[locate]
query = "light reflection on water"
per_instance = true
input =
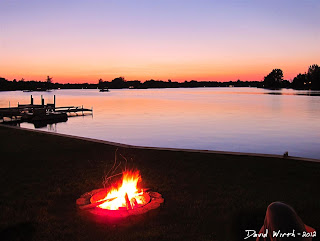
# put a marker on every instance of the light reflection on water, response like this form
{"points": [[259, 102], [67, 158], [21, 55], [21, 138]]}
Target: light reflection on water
{"points": [[226, 119]]}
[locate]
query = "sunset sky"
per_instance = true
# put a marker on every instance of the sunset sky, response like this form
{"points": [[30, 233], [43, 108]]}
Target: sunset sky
{"points": [[81, 41]]}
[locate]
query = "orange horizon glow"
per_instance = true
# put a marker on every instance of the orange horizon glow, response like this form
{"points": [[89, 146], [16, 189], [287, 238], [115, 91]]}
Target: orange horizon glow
{"points": [[256, 74]]}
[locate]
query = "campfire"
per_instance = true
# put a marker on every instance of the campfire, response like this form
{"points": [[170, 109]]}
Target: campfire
{"points": [[122, 198]]}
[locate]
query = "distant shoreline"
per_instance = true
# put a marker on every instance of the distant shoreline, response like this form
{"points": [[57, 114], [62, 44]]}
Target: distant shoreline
{"points": [[155, 88], [121, 83]]}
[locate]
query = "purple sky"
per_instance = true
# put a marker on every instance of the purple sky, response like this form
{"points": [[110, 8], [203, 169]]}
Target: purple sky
{"points": [[77, 41]]}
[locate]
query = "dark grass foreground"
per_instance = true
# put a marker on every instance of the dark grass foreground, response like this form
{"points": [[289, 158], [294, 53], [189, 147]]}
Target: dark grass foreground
{"points": [[207, 196]]}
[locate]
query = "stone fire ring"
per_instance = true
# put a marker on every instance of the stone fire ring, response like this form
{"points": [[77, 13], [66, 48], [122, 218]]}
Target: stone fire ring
{"points": [[84, 203]]}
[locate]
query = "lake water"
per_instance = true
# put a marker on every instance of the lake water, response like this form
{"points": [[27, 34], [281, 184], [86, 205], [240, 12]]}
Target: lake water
{"points": [[225, 119]]}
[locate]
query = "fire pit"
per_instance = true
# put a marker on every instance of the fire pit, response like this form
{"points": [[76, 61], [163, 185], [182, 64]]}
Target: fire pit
{"points": [[121, 199]]}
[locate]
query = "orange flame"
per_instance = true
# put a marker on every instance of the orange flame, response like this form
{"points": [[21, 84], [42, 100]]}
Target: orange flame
{"points": [[127, 194]]}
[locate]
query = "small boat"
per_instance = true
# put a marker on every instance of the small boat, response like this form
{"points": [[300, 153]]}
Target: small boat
{"points": [[104, 90]]}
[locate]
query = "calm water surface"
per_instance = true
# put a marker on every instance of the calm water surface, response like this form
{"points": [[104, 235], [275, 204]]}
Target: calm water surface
{"points": [[225, 119]]}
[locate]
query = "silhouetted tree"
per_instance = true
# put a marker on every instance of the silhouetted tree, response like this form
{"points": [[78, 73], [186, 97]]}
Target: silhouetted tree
{"points": [[314, 76], [49, 79], [273, 79], [300, 81], [48, 83], [119, 83], [3, 81], [101, 84], [134, 84], [285, 84], [310, 80]]}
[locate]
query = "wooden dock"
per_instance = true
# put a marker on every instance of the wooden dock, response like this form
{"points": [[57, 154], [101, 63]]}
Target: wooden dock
{"points": [[48, 113], [72, 109]]}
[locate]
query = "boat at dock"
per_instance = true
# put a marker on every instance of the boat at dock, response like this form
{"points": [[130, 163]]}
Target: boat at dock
{"points": [[40, 115], [43, 115]]}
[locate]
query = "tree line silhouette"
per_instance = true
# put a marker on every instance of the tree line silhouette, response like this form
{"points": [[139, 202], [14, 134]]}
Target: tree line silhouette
{"points": [[306, 81], [274, 80]]}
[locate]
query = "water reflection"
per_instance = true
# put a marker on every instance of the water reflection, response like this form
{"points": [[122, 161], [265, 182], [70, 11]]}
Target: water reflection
{"points": [[310, 93], [52, 127], [227, 119]]}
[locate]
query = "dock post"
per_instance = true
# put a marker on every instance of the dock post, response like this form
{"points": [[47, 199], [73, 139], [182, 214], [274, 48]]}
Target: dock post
{"points": [[54, 102], [42, 101], [31, 101]]}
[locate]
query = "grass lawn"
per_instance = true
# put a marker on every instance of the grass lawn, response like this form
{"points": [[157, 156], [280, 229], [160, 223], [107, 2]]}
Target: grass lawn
{"points": [[207, 196]]}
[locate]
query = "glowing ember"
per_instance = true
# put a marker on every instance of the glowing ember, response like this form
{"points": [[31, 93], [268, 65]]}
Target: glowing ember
{"points": [[127, 195]]}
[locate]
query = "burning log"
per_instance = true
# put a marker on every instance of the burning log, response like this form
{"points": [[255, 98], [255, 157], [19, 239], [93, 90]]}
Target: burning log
{"points": [[134, 201], [93, 205], [128, 204]]}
